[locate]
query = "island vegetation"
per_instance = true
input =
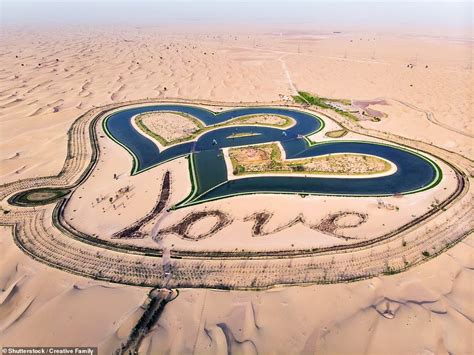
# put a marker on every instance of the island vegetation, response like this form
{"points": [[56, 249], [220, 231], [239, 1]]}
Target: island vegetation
{"points": [[267, 158], [37, 197], [243, 134], [336, 134], [170, 128]]}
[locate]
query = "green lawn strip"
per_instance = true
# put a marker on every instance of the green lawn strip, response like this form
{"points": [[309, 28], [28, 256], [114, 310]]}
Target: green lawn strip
{"points": [[194, 182], [305, 97]]}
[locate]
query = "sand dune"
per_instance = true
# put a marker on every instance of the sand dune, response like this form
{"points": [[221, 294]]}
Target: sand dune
{"points": [[171, 65], [49, 78], [50, 302], [413, 312]]}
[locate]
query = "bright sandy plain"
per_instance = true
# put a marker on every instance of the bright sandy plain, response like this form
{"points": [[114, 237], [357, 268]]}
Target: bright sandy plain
{"points": [[49, 78]]}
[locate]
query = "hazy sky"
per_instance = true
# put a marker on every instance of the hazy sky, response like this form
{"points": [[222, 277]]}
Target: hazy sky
{"points": [[344, 13]]}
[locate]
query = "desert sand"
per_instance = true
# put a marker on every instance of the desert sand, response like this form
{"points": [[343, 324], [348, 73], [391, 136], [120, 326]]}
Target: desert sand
{"points": [[50, 77]]}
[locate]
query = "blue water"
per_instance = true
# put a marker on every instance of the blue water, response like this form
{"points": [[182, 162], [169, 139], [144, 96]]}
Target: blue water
{"points": [[120, 127], [414, 172]]}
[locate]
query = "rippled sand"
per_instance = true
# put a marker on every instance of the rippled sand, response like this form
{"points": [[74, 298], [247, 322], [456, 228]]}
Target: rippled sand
{"points": [[49, 78]]}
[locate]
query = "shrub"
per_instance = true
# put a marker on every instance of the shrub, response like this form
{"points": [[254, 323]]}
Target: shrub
{"points": [[297, 167]]}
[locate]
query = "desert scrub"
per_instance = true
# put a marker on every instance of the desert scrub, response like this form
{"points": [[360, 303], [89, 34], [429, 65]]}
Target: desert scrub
{"points": [[170, 128], [268, 158], [272, 120]]}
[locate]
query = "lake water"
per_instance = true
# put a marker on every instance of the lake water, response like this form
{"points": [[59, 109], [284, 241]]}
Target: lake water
{"points": [[414, 172]]}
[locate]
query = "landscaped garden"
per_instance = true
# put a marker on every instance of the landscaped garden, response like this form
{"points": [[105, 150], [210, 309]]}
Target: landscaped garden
{"points": [[267, 158]]}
